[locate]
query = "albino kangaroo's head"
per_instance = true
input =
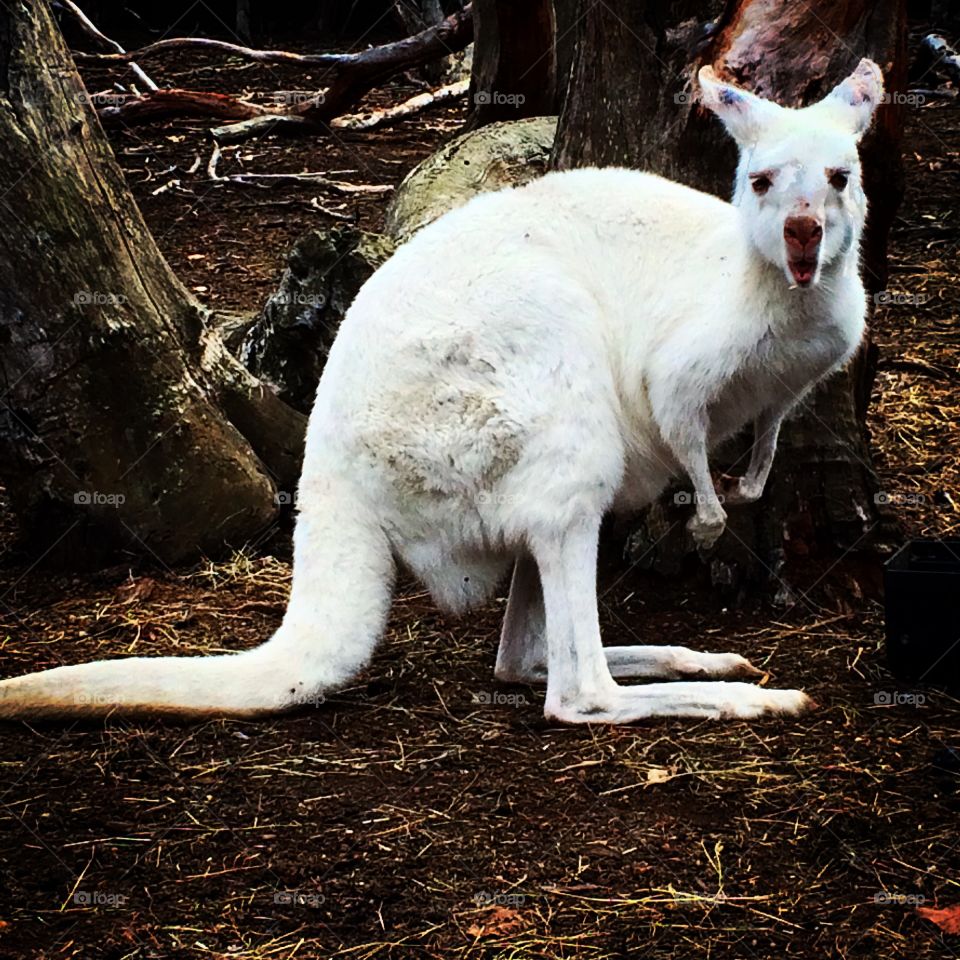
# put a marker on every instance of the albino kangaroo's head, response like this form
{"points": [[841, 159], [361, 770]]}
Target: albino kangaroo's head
{"points": [[798, 181]]}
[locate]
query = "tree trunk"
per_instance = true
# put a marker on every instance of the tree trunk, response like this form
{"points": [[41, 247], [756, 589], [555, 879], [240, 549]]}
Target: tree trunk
{"points": [[124, 423], [514, 63], [632, 102], [417, 15]]}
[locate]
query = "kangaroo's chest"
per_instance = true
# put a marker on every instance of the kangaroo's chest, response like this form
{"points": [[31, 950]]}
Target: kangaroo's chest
{"points": [[776, 374]]}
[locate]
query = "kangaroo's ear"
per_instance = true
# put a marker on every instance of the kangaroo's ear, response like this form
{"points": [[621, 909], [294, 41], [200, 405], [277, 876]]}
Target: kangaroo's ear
{"points": [[853, 101], [743, 114]]}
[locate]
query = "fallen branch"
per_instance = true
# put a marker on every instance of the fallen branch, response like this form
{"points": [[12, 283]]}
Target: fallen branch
{"points": [[917, 365], [448, 31], [354, 75], [409, 108], [222, 46], [173, 102], [375, 66], [90, 29], [942, 57], [258, 126]]}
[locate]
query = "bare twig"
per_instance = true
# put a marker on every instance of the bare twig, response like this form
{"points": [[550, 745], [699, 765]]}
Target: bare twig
{"points": [[265, 180], [88, 27], [222, 46], [212, 162]]}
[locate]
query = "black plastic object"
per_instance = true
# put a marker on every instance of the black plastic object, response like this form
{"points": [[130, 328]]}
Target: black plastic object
{"points": [[922, 600]]}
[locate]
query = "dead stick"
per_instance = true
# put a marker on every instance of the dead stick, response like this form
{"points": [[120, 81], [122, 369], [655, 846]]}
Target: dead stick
{"points": [[247, 53], [91, 30], [277, 179], [387, 51], [256, 126], [409, 108]]}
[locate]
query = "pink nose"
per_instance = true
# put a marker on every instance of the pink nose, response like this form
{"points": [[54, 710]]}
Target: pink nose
{"points": [[803, 235]]}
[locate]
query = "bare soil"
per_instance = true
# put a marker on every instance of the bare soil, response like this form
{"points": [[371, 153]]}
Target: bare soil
{"points": [[426, 811]]}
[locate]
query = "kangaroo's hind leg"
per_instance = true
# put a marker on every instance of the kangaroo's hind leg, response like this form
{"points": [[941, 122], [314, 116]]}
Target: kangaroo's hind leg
{"points": [[580, 688], [522, 655]]}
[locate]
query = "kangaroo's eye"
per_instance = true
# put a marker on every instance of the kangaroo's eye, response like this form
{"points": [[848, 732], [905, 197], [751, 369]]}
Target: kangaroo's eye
{"points": [[761, 183], [838, 179]]}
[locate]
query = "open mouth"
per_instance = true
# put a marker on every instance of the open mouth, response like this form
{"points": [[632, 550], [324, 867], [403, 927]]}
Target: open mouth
{"points": [[802, 271]]}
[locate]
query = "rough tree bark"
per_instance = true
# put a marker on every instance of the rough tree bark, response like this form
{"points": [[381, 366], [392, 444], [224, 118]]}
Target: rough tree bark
{"points": [[417, 15], [632, 102], [514, 71], [124, 422]]}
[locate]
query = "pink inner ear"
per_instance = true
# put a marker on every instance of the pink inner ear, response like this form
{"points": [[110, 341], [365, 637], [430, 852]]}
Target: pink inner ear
{"points": [[861, 91]]}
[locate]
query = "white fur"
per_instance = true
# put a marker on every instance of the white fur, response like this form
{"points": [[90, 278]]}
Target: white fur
{"points": [[521, 366]]}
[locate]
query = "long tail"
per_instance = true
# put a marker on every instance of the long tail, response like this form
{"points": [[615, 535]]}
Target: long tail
{"points": [[342, 585]]}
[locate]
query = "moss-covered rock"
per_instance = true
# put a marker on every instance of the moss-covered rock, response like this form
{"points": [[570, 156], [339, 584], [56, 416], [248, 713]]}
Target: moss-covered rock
{"points": [[496, 156]]}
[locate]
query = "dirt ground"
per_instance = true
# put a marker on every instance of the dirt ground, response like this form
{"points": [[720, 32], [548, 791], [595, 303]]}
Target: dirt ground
{"points": [[426, 811]]}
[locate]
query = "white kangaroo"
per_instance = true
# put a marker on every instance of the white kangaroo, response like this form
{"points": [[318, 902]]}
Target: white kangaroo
{"points": [[522, 365]]}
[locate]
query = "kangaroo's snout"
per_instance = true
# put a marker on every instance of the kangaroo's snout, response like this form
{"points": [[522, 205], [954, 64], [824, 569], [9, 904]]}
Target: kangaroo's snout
{"points": [[802, 236]]}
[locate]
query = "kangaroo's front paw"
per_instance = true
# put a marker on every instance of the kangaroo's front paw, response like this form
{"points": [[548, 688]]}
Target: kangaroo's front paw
{"points": [[737, 491], [707, 530]]}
